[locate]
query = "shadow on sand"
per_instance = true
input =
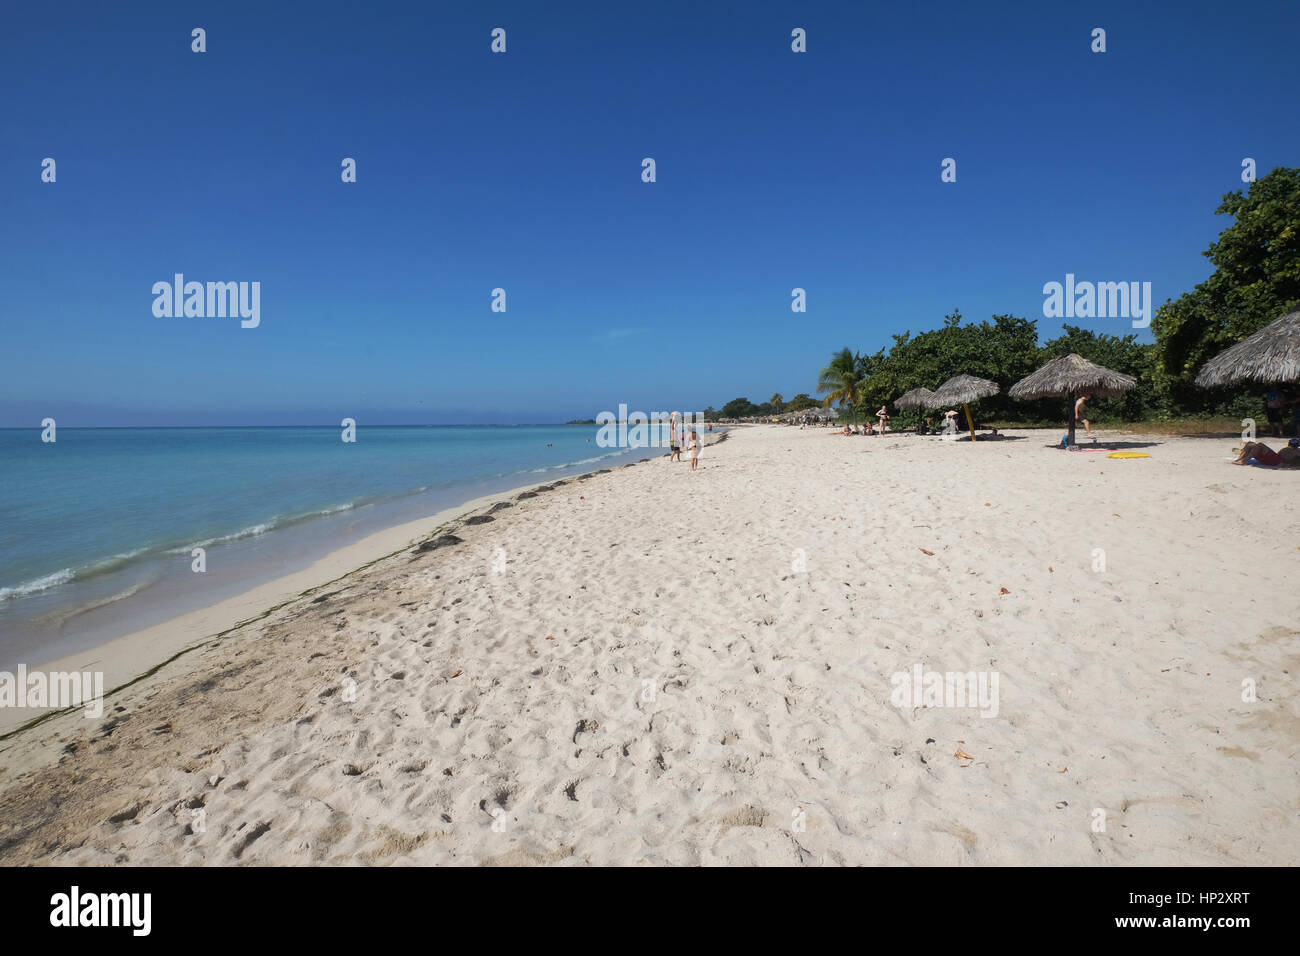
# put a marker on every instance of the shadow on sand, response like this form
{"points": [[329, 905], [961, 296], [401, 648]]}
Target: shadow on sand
{"points": [[1111, 445], [986, 438]]}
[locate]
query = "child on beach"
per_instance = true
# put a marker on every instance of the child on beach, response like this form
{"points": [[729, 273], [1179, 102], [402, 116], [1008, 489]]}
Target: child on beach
{"points": [[693, 441]]}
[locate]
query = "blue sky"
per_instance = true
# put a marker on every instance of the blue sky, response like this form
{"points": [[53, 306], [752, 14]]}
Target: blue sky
{"points": [[522, 171]]}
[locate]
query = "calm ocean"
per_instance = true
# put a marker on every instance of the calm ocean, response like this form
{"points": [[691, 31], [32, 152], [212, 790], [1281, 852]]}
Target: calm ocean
{"points": [[97, 529]]}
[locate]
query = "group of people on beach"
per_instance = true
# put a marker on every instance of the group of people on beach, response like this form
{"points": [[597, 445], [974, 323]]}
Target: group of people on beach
{"points": [[688, 436], [864, 429], [926, 426], [882, 416]]}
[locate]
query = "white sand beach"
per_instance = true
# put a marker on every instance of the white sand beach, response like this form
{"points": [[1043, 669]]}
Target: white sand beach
{"points": [[654, 666]]}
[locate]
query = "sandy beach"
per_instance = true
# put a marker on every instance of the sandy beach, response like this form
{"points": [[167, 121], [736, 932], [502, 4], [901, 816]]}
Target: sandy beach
{"points": [[653, 666]]}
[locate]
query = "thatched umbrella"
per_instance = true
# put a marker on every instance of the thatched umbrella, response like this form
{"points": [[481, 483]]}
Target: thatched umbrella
{"points": [[916, 398], [1271, 357], [1072, 375], [822, 413], [962, 390]]}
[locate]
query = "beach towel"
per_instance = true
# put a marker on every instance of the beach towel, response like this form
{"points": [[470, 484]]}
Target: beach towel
{"points": [[1256, 463]]}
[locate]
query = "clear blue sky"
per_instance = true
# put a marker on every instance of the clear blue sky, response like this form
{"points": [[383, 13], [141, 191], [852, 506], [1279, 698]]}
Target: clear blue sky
{"points": [[522, 170]]}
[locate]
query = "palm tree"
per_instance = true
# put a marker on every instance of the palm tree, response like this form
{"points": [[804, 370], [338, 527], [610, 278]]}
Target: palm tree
{"points": [[842, 379], [777, 403]]}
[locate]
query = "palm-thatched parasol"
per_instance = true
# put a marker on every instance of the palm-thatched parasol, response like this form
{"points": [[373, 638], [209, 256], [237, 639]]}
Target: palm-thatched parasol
{"points": [[1271, 356], [962, 390], [916, 398], [1072, 375]]}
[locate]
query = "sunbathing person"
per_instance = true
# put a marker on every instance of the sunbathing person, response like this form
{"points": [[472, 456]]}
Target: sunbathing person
{"points": [[1257, 451]]}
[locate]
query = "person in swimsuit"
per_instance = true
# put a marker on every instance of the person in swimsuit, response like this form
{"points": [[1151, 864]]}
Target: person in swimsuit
{"points": [[883, 415], [693, 442], [1257, 451], [1078, 414]]}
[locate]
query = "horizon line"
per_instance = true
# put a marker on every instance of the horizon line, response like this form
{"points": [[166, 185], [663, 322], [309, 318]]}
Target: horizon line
{"points": [[23, 428]]}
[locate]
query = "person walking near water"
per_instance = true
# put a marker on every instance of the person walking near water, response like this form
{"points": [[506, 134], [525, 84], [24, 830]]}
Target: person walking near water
{"points": [[1078, 414]]}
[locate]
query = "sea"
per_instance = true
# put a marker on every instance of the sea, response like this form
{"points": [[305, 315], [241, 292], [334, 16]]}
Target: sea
{"points": [[98, 529]]}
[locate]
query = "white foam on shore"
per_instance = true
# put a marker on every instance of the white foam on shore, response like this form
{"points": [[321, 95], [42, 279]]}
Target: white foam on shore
{"points": [[61, 577], [38, 584]]}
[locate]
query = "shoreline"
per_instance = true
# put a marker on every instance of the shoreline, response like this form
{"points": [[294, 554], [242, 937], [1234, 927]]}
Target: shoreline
{"points": [[126, 659], [654, 666], [73, 586]]}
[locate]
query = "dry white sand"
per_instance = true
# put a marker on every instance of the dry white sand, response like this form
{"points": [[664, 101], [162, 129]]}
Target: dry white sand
{"points": [[652, 666]]}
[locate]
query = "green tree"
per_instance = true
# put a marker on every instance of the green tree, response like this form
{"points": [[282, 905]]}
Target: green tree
{"points": [[841, 380], [800, 402], [1004, 349], [739, 408], [1255, 280], [777, 403]]}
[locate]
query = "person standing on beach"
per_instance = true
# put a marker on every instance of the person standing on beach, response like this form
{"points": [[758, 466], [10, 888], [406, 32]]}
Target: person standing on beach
{"points": [[1273, 405], [1078, 414], [694, 445], [883, 415]]}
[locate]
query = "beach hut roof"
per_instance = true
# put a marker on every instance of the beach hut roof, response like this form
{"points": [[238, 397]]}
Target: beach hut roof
{"points": [[1270, 356], [1072, 375], [916, 398], [961, 390]]}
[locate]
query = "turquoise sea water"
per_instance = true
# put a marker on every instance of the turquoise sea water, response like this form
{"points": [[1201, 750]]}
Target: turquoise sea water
{"points": [[97, 528]]}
